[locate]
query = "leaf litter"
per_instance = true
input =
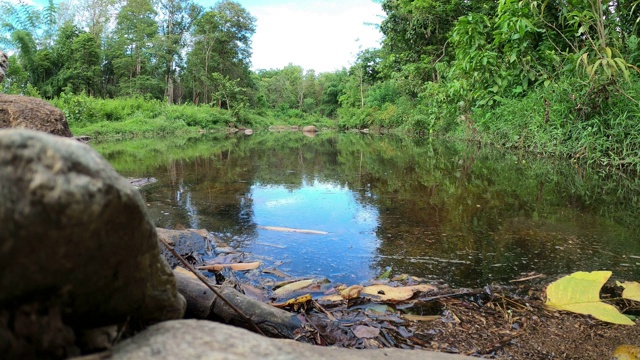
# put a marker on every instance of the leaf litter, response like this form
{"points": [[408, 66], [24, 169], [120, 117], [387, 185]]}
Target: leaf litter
{"points": [[402, 311]]}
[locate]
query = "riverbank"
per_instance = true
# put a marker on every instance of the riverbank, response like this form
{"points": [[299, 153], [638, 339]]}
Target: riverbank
{"points": [[552, 121]]}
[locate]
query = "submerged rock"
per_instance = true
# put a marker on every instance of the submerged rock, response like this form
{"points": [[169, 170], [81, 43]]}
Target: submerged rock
{"points": [[71, 227], [25, 112], [198, 339]]}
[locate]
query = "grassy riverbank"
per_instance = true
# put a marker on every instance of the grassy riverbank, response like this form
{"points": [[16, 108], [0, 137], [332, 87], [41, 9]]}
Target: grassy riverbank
{"points": [[137, 116]]}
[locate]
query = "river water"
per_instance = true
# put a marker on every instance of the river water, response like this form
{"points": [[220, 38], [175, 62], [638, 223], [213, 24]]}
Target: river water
{"points": [[450, 212]]}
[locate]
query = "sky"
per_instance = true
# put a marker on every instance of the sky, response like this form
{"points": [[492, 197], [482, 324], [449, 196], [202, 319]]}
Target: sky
{"points": [[323, 35]]}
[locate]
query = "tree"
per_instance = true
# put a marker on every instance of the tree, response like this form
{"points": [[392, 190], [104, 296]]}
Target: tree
{"points": [[226, 90], [94, 15], [133, 39], [221, 44], [175, 18]]}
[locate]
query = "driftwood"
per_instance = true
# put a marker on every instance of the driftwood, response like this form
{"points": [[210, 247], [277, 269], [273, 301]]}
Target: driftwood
{"points": [[300, 231], [202, 303]]}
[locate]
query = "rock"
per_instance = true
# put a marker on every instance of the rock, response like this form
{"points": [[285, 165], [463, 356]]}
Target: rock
{"points": [[200, 339], [310, 128], [71, 225], [25, 112], [4, 64], [191, 244], [248, 132]]}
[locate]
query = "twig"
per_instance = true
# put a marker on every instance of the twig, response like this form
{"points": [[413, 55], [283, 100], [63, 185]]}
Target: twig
{"points": [[319, 307], [527, 278], [214, 290]]}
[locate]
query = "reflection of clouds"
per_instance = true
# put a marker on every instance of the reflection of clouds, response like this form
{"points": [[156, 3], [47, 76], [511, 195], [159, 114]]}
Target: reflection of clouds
{"points": [[281, 202]]}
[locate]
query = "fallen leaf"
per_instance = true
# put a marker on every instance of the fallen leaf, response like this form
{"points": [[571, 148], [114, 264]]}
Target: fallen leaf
{"points": [[626, 352], [300, 300], [184, 271], [413, 317], [390, 293], [631, 290], [365, 332], [276, 272], [297, 285], [401, 277], [334, 298], [580, 293], [351, 292], [234, 266]]}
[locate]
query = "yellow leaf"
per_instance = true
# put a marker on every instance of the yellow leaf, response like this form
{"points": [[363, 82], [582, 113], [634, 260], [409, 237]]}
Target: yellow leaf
{"points": [[580, 293], [626, 352], [631, 290], [300, 300]]}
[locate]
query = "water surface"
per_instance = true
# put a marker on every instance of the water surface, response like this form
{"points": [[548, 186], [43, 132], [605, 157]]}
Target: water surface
{"points": [[457, 213]]}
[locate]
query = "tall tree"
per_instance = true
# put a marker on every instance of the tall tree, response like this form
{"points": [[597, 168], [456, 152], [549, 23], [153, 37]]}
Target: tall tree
{"points": [[175, 18], [221, 44]]}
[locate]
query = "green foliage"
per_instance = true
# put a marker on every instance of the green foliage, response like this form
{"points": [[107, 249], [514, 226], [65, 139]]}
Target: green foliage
{"points": [[101, 117]]}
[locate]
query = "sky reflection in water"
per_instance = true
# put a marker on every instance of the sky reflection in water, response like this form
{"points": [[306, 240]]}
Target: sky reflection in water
{"points": [[344, 254]]}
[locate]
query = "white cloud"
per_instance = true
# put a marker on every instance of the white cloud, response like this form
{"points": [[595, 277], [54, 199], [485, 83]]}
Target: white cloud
{"points": [[319, 35]]}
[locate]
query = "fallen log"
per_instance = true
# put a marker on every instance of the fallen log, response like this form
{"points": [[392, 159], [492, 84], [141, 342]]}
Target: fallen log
{"points": [[300, 231], [202, 303]]}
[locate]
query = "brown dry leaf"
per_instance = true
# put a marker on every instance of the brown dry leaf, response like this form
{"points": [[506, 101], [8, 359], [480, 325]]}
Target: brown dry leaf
{"points": [[351, 292], [236, 266], [365, 332], [389, 293], [184, 271]]}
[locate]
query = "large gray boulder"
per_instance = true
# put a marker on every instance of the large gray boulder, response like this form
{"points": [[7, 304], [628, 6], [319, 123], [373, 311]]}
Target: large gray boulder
{"points": [[71, 227], [23, 112], [199, 339]]}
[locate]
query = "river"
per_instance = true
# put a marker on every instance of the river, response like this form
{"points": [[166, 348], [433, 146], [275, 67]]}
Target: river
{"points": [[454, 213]]}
